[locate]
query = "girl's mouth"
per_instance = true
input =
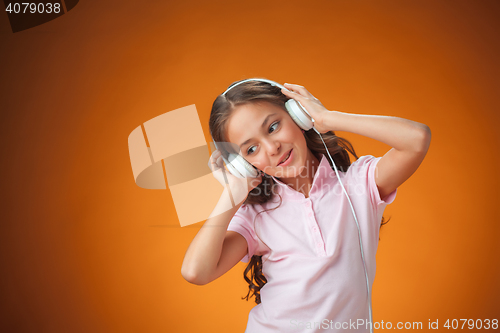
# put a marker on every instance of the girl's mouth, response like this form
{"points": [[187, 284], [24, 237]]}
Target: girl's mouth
{"points": [[287, 159]]}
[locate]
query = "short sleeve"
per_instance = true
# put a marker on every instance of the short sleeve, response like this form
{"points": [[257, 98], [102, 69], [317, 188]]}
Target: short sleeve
{"points": [[242, 223], [363, 170]]}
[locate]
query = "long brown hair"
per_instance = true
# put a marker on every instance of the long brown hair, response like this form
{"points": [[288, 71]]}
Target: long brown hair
{"points": [[258, 91]]}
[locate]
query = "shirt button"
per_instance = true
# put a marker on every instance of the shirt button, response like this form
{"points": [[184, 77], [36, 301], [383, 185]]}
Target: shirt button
{"points": [[318, 244], [315, 229], [310, 214]]}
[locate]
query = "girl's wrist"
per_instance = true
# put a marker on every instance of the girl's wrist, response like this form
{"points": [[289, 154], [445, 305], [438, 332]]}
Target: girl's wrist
{"points": [[331, 120]]}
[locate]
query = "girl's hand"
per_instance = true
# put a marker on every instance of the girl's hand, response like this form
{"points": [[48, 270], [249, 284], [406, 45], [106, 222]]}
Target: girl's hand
{"points": [[239, 187], [311, 103]]}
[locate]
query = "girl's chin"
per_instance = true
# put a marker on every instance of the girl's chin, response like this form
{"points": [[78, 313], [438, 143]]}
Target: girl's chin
{"points": [[291, 172]]}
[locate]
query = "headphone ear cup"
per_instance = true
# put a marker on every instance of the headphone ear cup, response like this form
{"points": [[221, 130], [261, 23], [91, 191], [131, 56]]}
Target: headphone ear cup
{"points": [[232, 169], [298, 115], [242, 167]]}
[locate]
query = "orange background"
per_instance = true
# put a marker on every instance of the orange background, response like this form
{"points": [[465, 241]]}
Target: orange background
{"points": [[83, 249]]}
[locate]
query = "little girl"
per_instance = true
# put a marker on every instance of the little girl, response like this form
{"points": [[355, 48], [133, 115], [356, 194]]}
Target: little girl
{"points": [[312, 263]]}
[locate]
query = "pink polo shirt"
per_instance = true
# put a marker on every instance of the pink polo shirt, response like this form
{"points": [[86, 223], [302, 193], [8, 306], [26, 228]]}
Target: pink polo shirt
{"points": [[311, 254]]}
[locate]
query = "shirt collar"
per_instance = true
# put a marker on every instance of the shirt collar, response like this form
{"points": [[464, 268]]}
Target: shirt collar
{"points": [[322, 172]]}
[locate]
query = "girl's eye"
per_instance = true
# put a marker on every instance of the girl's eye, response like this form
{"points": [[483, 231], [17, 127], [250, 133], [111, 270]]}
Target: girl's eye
{"points": [[273, 125], [276, 123]]}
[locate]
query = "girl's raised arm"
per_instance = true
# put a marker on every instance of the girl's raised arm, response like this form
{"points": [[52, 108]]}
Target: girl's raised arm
{"points": [[409, 139], [215, 250]]}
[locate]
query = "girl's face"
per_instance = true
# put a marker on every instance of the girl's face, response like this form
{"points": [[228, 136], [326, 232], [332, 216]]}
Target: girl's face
{"points": [[266, 134]]}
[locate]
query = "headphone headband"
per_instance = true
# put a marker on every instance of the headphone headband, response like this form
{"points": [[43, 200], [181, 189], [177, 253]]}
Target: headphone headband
{"points": [[276, 84]]}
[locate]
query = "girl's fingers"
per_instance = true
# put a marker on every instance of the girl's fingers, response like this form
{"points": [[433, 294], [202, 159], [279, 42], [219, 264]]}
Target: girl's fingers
{"points": [[300, 89], [218, 161], [292, 94], [215, 160], [213, 157]]}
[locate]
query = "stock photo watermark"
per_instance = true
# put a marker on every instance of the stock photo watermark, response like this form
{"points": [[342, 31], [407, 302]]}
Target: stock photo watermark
{"points": [[327, 324], [24, 15]]}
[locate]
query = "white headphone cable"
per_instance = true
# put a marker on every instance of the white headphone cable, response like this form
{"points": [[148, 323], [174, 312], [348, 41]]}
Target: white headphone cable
{"points": [[359, 232]]}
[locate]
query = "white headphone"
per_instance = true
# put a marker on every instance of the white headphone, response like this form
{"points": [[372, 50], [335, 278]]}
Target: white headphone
{"points": [[240, 168]]}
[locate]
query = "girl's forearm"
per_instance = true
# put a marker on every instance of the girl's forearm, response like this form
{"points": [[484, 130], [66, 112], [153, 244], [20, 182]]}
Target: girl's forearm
{"points": [[203, 254], [399, 133]]}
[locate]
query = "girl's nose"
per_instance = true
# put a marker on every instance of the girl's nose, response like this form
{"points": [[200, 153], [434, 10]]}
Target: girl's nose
{"points": [[272, 147]]}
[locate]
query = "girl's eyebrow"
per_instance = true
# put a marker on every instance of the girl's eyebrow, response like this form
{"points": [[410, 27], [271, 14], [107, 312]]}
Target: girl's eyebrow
{"points": [[262, 126]]}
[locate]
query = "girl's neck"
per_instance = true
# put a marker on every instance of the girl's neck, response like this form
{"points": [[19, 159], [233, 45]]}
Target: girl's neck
{"points": [[304, 181]]}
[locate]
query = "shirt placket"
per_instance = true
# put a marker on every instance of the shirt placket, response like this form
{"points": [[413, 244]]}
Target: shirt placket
{"points": [[319, 244]]}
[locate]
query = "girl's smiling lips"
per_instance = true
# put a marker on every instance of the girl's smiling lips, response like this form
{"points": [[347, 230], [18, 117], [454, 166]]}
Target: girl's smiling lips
{"points": [[288, 160]]}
